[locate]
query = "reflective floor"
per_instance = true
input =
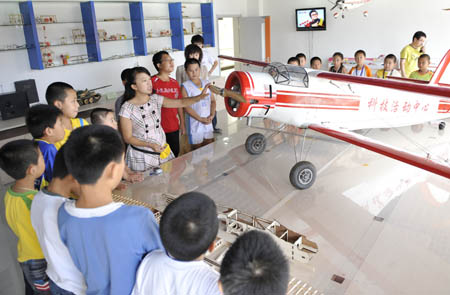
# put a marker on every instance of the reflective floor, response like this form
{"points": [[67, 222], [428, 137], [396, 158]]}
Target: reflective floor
{"points": [[381, 225]]}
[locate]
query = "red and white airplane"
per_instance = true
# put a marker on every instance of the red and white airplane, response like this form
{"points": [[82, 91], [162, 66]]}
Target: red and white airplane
{"points": [[335, 104], [345, 5]]}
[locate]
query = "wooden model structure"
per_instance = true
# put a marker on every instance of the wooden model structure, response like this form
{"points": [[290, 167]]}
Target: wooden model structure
{"points": [[15, 19], [78, 36], [46, 19]]}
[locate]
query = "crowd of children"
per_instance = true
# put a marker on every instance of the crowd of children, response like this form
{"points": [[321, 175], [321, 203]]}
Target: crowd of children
{"points": [[414, 62]]}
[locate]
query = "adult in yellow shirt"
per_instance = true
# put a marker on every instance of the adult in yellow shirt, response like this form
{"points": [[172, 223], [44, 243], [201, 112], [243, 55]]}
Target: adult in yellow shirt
{"points": [[411, 53], [64, 97]]}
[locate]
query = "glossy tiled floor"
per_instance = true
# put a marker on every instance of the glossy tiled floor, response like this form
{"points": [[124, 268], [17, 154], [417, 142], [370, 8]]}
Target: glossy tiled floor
{"points": [[404, 250]]}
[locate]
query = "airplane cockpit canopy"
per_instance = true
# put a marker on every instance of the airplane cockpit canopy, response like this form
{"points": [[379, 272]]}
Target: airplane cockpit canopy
{"points": [[288, 74]]}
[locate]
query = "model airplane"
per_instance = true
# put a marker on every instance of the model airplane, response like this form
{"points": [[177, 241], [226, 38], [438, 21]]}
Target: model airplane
{"points": [[335, 104], [344, 5]]}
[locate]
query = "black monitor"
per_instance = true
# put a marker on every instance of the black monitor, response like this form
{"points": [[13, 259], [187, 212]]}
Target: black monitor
{"points": [[28, 86], [13, 105], [311, 19]]}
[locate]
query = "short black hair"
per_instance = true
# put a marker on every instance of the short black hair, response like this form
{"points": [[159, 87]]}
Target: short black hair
{"points": [[191, 61], [192, 49], [17, 155], [312, 11], [293, 59], [98, 115], [314, 59], [197, 39], [426, 56], [360, 51], [40, 117], [59, 165], [189, 225], [157, 58], [254, 265], [57, 91], [391, 56], [125, 73], [90, 149], [300, 55], [418, 35], [338, 54]]}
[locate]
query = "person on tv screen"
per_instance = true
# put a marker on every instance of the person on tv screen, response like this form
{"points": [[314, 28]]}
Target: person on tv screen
{"points": [[315, 20]]}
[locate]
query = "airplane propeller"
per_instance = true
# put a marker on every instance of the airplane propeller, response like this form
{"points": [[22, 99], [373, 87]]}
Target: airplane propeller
{"points": [[228, 93]]}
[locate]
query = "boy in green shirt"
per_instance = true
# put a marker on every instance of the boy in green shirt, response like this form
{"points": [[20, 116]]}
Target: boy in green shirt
{"points": [[423, 73]]}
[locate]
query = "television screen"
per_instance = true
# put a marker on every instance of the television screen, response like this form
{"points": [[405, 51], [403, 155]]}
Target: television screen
{"points": [[310, 19]]}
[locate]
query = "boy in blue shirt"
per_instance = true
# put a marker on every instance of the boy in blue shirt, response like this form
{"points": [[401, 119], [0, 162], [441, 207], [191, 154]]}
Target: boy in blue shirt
{"points": [[44, 122], [106, 240]]}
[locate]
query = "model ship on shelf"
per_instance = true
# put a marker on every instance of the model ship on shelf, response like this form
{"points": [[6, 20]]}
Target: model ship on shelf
{"points": [[89, 96]]}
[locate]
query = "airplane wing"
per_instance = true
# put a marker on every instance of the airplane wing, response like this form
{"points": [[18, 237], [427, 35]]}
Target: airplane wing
{"points": [[389, 151], [245, 61]]}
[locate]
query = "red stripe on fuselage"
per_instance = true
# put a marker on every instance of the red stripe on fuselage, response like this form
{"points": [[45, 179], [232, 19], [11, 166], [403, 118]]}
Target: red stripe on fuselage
{"points": [[317, 100]]}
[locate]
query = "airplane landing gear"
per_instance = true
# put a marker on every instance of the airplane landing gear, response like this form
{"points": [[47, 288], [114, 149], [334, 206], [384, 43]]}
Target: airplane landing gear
{"points": [[303, 175], [255, 144], [441, 125]]}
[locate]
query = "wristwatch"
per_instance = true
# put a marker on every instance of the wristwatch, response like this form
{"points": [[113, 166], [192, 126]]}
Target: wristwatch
{"points": [[222, 92]]}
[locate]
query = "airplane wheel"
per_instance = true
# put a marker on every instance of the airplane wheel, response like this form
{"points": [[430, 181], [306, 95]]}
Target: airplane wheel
{"points": [[303, 175], [255, 144], [442, 126]]}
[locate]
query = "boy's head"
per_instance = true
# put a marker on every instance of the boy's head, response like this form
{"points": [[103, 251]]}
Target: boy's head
{"points": [[360, 57], [192, 68], [198, 40], [293, 61], [189, 226], [423, 62], [64, 97], [124, 75], [22, 157], [302, 59], [103, 116], [60, 172], [94, 153], [163, 62], [316, 63], [45, 121], [254, 265], [419, 39], [338, 58], [193, 51], [389, 62]]}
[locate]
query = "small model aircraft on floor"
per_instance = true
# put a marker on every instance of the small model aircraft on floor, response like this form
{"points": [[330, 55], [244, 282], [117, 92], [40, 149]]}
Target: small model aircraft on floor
{"points": [[335, 104], [345, 5]]}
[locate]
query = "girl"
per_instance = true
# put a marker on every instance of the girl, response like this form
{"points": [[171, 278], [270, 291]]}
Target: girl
{"points": [[338, 67]]}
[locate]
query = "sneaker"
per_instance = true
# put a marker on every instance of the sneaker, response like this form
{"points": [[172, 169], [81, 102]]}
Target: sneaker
{"points": [[217, 130], [156, 171]]}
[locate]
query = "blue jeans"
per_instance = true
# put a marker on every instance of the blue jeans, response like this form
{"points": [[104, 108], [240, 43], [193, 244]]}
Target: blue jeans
{"points": [[214, 121], [57, 290], [35, 276]]}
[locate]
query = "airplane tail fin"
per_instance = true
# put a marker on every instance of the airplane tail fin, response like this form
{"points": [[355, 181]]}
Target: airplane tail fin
{"points": [[442, 74]]}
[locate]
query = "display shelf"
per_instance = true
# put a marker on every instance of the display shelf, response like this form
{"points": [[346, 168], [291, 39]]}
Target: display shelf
{"points": [[155, 37], [11, 25], [59, 23], [69, 64], [166, 18], [127, 39], [67, 44], [114, 57], [114, 20], [13, 49]]}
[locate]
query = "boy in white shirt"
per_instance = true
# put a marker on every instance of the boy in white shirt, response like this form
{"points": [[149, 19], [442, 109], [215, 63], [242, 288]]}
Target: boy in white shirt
{"points": [[210, 62], [188, 229], [65, 278]]}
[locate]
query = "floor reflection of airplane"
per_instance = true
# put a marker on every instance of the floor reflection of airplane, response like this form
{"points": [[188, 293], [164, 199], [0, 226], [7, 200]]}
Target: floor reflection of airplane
{"points": [[344, 5], [334, 104]]}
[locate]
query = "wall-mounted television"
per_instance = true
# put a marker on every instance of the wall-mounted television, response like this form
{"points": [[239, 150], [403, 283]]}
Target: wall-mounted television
{"points": [[311, 19]]}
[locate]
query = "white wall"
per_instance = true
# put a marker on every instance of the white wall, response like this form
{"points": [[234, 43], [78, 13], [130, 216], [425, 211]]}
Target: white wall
{"points": [[15, 65], [389, 26]]}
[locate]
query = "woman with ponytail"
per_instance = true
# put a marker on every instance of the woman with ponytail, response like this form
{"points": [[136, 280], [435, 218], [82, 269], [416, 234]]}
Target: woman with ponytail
{"points": [[140, 120]]}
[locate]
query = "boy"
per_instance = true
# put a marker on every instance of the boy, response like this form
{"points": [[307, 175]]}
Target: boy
{"points": [[106, 240], [208, 61], [201, 114], [23, 161], [316, 63], [338, 66], [410, 54], [254, 265], [119, 101], [293, 61], [65, 278], [361, 70], [390, 61], [423, 73], [103, 116], [168, 87], [302, 59], [64, 97], [188, 229], [44, 122]]}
